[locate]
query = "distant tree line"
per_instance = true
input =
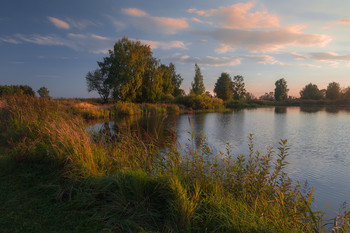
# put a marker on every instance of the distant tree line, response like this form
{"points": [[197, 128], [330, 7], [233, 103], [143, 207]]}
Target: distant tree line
{"points": [[131, 73], [16, 90], [23, 90]]}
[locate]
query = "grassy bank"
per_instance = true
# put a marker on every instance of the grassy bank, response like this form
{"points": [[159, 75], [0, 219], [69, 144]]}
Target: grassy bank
{"points": [[55, 175]]}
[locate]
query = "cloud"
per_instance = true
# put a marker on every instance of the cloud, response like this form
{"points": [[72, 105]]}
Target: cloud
{"points": [[80, 42], [80, 24], [310, 66], [343, 21], [208, 60], [163, 25], [329, 57], [266, 40], [10, 40], [164, 45], [196, 19], [135, 12], [297, 56], [58, 23], [264, 59], [239, 16]]}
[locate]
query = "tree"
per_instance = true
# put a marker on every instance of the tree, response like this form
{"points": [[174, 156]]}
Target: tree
{"points": [[239, 90], [44, 92], [281, 90], [268, 96], [333, 91], [176, 80], [311, 91], [98, 81], [125, 67], [197, 84], [223, 87]]}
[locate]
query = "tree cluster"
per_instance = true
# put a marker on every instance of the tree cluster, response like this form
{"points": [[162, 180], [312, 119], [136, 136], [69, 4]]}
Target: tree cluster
{"points": [[226, 88], [16, 90], [131, 73]]}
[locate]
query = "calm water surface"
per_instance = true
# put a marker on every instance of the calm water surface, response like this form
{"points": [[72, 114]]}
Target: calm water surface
{"points": [[319, 141]]}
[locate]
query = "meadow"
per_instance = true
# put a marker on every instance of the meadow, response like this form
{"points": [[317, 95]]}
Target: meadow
{"points": [[56, 177]]}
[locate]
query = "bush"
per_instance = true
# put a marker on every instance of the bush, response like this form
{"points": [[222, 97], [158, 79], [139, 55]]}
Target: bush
{"points": [[198, 102]]}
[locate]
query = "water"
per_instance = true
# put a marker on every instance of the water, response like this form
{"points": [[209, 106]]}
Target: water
{"points": [[319, 141]]}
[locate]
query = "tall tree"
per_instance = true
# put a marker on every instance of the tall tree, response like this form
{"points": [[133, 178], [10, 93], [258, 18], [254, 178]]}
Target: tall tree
{"points": [[152, 83], [44, 92], [125, 67], [281, 90], [176, 80], [98, 81], [238, 86], [333, 91], [197, 84], [223, 87], [311, 91]]}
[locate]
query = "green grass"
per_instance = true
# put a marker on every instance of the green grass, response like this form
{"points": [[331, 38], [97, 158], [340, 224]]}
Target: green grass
{"points": [[30, 201], [55, 178]]}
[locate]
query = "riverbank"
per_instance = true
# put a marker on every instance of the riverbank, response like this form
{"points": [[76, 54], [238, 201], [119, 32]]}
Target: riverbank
{"points": [[131, 186]]}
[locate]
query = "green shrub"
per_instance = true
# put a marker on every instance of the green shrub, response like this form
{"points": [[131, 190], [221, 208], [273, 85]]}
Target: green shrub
{"points": [[198, 102]]}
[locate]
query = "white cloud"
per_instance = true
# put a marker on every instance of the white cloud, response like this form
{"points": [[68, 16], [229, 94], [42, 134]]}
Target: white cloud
{"points": [[9, 40], [80, 24], [58, 23], [163, 25]]}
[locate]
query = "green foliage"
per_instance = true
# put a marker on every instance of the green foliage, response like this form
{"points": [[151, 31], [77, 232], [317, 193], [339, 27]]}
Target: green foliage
{"points": [[267, 96], [239, 90], [281, 90], [98, 81], [44, 92], [134, 75], [16, 90], [125, 67], [197, 84], [223, 87], [333, 91], [311, 91], [198, 102]]}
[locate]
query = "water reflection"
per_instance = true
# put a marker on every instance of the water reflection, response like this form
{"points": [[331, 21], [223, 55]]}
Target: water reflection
{"points": [[318, 138], [280, 109]]}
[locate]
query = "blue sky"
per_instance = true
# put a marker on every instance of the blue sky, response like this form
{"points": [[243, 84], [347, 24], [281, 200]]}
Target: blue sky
{"points": [[55, 43]]}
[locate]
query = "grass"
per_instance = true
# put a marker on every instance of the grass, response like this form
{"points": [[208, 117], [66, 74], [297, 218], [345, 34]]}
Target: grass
{"points": [[53, 174]]}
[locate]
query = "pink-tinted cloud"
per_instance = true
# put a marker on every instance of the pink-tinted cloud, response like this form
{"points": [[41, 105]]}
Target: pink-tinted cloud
{"points": [[267, 40], [135, 12], [196, 19], [209, 60], [330, 56], [58, 23], [310, 66], [264, 59], [164, 25], [239, 16], [164, 45], [343, 21]]}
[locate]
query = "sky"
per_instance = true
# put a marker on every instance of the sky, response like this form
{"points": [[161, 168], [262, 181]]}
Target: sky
{"points": [[55, 43]]}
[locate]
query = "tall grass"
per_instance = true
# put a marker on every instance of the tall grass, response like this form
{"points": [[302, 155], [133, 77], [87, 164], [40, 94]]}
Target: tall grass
{"points": [[133, 186]]}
